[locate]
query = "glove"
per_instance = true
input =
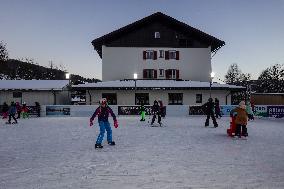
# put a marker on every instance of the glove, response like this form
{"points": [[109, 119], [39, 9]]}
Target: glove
{"points": [[115, 124], [91, 123]]}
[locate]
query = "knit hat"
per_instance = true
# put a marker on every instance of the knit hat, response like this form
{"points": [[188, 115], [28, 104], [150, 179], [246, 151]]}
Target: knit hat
{"points": [[242, 105]]}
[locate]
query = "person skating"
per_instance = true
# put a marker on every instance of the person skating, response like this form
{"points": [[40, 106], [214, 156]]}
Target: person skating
{"points": [[103, 112], [217, 108], [12, 112], [208, 108], [241, 119], [25, 111], [156, 111], [37, 106], [142, 112], [19, 110], [162, 108]]}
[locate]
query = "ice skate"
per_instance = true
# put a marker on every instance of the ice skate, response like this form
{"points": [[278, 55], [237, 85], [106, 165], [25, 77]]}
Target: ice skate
{"points": [[98, 146]]}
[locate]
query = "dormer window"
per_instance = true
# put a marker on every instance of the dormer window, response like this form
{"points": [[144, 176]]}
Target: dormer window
{"points": [[157, 35]]}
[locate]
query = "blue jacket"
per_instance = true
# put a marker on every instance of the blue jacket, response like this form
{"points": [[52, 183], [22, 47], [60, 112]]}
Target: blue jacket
{"points": [[12, 109], [103, 114]]}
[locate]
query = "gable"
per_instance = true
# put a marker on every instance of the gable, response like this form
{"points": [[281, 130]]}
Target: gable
{"points": [[173, 34]]}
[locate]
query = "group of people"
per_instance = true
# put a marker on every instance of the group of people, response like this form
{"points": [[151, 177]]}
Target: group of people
{"points": [[240, 113], [157, 110], [16, 111]]}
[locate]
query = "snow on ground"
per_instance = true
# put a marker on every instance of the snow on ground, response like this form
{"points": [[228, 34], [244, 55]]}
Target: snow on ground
{"points": [[55, 153]]}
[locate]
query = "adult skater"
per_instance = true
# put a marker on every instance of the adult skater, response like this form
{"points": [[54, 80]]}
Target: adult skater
{"points": [[208, 108], [5, 109], [103, 112], [142, 112], [217, 108], [241, 119], [162, 108], [12, 113], [156, 111]]}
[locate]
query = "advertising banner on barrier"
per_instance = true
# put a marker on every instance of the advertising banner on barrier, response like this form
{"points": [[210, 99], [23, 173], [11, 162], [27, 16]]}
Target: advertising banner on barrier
{"points": [[260, 110], [135, 110], [275, 111], [196, 110], [226, 109], [57, 111]]}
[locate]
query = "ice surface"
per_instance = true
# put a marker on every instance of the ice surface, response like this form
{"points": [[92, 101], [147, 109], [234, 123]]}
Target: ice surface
{"points": [[55, 153]]}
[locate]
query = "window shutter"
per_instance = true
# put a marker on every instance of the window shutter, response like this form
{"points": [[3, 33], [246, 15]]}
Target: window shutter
{"points": [[155, 74], [177, 55], [177, 74], [167, 55], [144, 55], [167, 74], [144, 74], [155, 55]]}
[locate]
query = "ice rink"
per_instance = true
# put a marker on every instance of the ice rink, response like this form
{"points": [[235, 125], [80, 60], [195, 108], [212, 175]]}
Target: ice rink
{"points": [[55, 153]]}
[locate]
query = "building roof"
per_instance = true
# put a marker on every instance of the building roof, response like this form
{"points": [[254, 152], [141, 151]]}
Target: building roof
{"points": [[156, 84], [39, 85], [158, 16]]}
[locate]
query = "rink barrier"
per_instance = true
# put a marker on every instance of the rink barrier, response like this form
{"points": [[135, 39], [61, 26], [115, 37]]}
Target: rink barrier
{"points": [[171, 110]]}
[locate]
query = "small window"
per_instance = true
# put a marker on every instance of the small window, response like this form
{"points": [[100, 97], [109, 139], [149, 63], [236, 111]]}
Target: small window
{"points": [[175, 98], [172, 54], [161, 73], [157, 35], [198, 98], [17, 94], [162, 53], [149, 54], [142, 98], [149, 74]]}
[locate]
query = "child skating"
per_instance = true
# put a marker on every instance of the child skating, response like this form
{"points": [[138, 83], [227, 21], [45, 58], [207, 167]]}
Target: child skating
{"points": [[142, 112], [103, 112], [241, 119]]}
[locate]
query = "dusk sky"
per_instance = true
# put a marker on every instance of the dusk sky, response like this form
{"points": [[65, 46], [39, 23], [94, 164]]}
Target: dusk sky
{"points": [[62, 30]]}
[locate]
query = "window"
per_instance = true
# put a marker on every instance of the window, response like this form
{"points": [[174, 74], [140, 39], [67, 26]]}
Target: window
{"points": [[171, 74], [149, 74], [17, 94], [162, 53], [175, 98], [142, 98], [161, 73], [198, 98], [157, 35], [111, 98], [172, 54], [149, 54]]}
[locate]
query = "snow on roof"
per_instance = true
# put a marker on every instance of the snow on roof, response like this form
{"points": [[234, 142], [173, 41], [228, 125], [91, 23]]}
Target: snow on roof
{"points": [[155, 84], [33, 84]]}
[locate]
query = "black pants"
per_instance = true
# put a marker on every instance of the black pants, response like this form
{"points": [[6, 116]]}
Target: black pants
{"points": [[154, 118], [218, 113], [12, 116], [241, 130], [19, 114], [213, 118]]}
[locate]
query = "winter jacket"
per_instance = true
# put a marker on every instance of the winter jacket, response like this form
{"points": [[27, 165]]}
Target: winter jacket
{"points": [[156, 109], [208, 108], [103, 113], [12, 109], [242, 116]]}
